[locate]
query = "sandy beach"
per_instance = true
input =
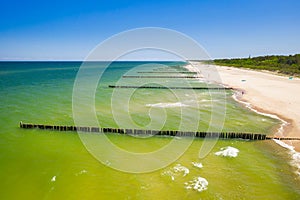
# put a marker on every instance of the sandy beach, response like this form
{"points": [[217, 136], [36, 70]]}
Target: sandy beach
{"points": [[266, 92]]}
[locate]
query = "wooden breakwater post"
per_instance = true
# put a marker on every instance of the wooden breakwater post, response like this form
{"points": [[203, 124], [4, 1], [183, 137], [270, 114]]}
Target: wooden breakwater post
{"points": [[164, 87], [198, 134], [166, 72], [281, 138], [136, 76]]}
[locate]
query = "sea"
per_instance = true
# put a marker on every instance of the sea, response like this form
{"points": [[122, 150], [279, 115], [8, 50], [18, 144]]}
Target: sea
{"points": [[45, 164]]}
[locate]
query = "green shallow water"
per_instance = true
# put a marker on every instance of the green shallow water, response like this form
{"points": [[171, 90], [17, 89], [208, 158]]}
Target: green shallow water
{"points": [[38, 164]]}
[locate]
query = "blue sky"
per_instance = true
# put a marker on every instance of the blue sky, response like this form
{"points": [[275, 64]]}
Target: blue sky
{"points": [[69, 30]]}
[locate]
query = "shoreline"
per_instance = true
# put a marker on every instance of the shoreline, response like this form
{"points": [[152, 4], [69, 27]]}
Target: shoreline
{"points": [[255, 99], [267, 94], [292, 129], [285, 123]]}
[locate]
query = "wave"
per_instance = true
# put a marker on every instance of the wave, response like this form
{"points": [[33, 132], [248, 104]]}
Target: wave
{"points": [[228, 152], [198, 165], [81, 172], [53, 179], [295, 156], [198, 183], [209, 100], [249, 106], [167, 105], [176, 171], [179, 168]]}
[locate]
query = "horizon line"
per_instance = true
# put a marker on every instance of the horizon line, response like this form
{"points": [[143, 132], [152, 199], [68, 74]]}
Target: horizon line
{"points": [[134, 60]]}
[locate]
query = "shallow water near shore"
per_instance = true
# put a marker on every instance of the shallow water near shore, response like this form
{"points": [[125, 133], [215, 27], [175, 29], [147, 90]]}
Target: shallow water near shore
{"points": [[39, 164]]}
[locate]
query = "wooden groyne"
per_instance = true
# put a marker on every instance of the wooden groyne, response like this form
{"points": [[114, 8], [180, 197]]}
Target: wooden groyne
{"points": [[170, 72], [136, 76], [281, 138], [164, 87], [168, 68], [199, 134]]}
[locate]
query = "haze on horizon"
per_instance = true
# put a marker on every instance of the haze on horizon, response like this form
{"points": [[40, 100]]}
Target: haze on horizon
{"points": [[69, 30]]}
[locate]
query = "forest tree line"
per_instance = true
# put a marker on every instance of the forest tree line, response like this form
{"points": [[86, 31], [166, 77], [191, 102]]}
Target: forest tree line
{"points": [[289, 65]]}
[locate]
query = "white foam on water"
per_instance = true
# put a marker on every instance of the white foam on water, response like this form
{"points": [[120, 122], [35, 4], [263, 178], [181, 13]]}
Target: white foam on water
{"points": [[81, 172], [295, 156], [228, 152], [249, 106], [168, 173], [209, 100], [167, 105], [145, 187], [53, 179], [177, 170], [198, 165], [198, 183], [191, 68], [281, 143]]}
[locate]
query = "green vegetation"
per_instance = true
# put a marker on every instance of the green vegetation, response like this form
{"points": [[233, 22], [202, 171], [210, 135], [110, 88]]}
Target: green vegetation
{"points": [[289, 65]]}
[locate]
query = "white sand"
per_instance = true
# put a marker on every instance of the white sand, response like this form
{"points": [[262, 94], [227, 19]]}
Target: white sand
{"points": [[265, 91]]}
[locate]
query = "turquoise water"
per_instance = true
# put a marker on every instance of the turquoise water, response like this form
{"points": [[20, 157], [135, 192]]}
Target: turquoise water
{"points": [[37, 164]]}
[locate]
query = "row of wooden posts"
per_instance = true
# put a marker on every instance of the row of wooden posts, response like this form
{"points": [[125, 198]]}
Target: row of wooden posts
{"points": [[163, 72], [137, 76], [165, 87], [281, 138], [200, 134]]}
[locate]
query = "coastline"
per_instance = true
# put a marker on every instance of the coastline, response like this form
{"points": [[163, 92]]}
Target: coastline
{"points": [[285, 123], [264, 93]]}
